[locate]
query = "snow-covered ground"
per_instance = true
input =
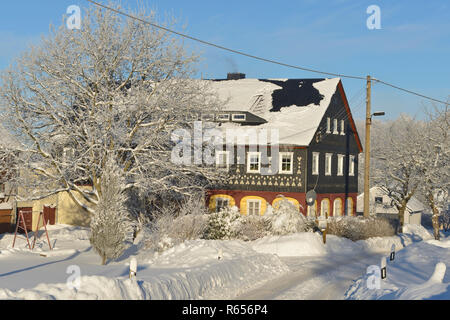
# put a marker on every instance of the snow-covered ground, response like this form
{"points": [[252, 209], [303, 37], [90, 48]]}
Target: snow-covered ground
{"points": [[191, 270], [297, 266], [418, 272]]}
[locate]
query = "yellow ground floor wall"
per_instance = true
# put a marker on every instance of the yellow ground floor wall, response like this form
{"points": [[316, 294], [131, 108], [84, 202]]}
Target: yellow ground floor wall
{"points": [[67, 211]]}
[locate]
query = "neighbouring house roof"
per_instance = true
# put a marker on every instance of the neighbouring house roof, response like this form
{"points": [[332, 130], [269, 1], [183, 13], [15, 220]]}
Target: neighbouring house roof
{"points": [[414, 205], [293, 106], [6, 206]]}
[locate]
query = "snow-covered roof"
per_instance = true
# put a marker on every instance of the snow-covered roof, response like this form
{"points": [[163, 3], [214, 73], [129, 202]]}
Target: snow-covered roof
{"points": [[293, 106], [6, 206], [414, 205]]}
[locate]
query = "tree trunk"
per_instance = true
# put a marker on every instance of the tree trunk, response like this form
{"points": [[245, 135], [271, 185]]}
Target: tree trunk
{"points": [[401, 218], [435, 220], [104, 258], [435, 217]]}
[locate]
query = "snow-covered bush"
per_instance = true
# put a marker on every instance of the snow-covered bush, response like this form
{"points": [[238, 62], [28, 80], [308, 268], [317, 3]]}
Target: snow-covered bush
{"points": [[173, 225], [286, 219], [223, 224], [111, 226], [360, 228], [252, 227]]}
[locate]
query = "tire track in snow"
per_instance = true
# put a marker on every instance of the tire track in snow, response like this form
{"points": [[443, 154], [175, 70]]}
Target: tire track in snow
{"points": [[294, 285]]}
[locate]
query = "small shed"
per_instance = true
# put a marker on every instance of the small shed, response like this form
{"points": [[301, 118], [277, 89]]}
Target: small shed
{"points": [[383, 205]]}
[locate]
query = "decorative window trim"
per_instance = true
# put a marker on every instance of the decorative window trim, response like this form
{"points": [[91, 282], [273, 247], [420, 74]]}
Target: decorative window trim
{"points": [[328, 163], [340, 165], [249, 155], [233, 116], [291, 155], [218, 154], [317, 162]]}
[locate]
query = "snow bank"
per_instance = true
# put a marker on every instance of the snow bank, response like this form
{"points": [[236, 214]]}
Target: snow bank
{"points": [[293, 245], [191, 270], [418, 272]]}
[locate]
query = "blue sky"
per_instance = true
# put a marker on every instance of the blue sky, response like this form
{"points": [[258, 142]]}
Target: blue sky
{"points": [[411, 49]]}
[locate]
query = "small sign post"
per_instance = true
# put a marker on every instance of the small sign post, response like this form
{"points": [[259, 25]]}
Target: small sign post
{"points": [[383, 268], [392, 255], [133, 268]]}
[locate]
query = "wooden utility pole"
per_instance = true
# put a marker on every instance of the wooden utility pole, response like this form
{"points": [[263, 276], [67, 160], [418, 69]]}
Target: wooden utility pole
{"points": [[367, 150]]}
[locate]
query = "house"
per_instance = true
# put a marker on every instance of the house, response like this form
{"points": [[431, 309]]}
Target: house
{"points": [[7, 207], [7, 190], [317, 138], [382, 204]]}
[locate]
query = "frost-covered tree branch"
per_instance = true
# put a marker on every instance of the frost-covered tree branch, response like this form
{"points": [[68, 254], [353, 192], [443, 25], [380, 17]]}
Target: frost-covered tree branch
{"points": [[114, 88]]}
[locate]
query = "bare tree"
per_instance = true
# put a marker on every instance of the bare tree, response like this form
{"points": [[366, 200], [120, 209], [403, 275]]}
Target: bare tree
{"points": [[435, 163], [397, 153], [116, 87]]}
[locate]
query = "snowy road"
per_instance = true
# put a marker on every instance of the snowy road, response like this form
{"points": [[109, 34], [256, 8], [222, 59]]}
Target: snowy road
{"points": [[314, 278]]}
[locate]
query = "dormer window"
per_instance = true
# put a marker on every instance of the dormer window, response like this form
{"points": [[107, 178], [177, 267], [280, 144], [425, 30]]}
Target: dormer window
{"points": [[207, 117], [223, 117], [335, 126], [238, 117]]}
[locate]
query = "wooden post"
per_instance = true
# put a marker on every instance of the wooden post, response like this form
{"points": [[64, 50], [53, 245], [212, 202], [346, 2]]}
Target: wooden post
{"points": [[20, 219], [133, 268], [367, 151], [36, 233]]}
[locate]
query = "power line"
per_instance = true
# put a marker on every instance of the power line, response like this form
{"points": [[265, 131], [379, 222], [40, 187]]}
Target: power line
{"points": [[260, 58], [409, 91], [222, 47]]}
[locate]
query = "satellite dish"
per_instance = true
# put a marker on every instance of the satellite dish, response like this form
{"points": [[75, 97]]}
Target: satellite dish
{"points": [[311, 197]]}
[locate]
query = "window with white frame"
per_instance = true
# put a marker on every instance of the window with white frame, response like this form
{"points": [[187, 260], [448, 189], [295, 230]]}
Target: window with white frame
{"points": [[335, 126], [208, 117], [238, 117], [222, 203], [337, 207], [253, 207], [223, 117], [222, 159], [325, 208], [315, 163], [340, 168], [351, 169], [253, 162], [342, 127], [328, 125], [311, 211], [286, 162], [328, 159]]}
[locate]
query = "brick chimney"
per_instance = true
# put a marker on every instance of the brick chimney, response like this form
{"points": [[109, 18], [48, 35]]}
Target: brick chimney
{"points": [[235, 76]]}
